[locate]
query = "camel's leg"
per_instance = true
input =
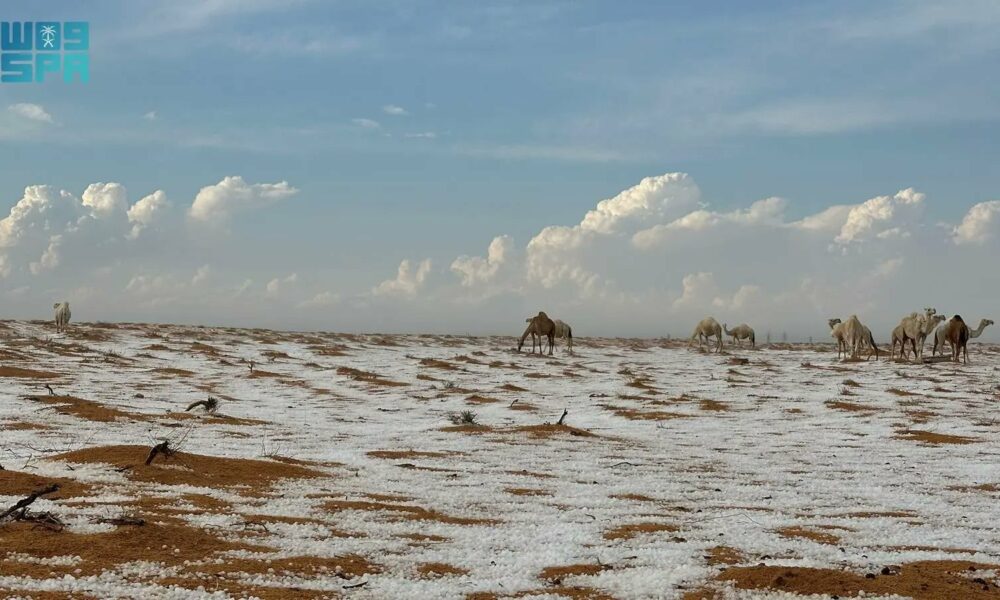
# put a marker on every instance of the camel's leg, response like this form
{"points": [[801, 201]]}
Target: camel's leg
{"points": [[552, 342]]}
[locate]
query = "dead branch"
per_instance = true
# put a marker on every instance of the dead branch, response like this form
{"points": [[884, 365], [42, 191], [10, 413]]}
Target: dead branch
{"points": [[24, 503], [560, 421], [161, 448], [351, 586], [121, 521], [44, 519], [210, 405]]}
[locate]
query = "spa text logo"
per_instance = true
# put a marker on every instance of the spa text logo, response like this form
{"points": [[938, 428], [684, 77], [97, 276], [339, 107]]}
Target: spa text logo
{"points": [[34, 51]]}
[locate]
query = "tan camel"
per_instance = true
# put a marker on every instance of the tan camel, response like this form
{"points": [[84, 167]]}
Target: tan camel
{"points": [[932, 322], [909, 329], [540, 325], [740, 332], [868, 341], [956, 333], [563, 331], [854, 335], [705, 329], [837, 333], [973, 333]]}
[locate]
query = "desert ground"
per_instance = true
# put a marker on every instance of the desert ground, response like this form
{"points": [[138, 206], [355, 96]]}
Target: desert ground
{"points": [[342, 466]]}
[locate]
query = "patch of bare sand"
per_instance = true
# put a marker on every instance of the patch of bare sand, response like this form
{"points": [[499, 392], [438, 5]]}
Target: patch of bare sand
{"points": [[518, 491], [214, 419], [724, 555], [402, 454], [19, 373], [434, 570], [631, 530], [367, 377], [555, 575], [183, 468], [795, 532], [403, 512], [925, 580], [932, 438], [17, 483], [849, 406], [87, 410], [636, 414]]}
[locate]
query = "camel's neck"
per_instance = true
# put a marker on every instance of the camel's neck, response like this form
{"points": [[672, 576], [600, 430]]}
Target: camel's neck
{"points": [[978, 331]]}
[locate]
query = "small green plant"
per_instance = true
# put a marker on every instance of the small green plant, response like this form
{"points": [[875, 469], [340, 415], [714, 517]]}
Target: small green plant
{"points": [[466, 417]]}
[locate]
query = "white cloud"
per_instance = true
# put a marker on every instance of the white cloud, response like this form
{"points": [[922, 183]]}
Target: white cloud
{"points": [[366, 123], [426, 135], [981, 224], [150, 116], [320, 300], [218, 203], [201, 275], [392, 109], [476, 270], [881, 217], [275, 285], [31, 112], [146, 211], [408, 281]]}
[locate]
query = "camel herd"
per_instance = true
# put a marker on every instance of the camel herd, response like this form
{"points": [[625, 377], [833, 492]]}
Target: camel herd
{"points": [[541, 326]]}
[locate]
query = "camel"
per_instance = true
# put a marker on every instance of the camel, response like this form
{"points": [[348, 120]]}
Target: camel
{"points": [[869, 340], [939, 337], [62, 315], [740, 332], [705, 329], [540, 325], [854, 335], [837, 333], [909, 329], [956, 333], [932, 322], [563, 331]]}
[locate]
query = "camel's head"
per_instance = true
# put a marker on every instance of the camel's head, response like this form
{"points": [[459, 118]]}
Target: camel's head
{"points": [[833, 322], [528, 320], [930, 311], [937, 319], [987, 322], [519, 345]]}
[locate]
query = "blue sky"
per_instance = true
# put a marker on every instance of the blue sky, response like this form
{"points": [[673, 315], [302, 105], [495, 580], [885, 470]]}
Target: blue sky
{"points": [[423, 130]]}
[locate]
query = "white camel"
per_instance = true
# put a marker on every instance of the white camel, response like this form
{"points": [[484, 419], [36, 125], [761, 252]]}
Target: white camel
{"points": [[854, 335], [740, 332], [62, 315], [563, 330], [705, 329], [909, 330], [940, 333], [837, 333], [928, 328]]}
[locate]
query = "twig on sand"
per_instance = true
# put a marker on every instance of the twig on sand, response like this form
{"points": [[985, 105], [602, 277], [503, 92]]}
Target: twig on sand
{"points": [[210, 405], [560, 421], [351, 586], [161, 448], [624, 462], [121, 521], [24, 503]]}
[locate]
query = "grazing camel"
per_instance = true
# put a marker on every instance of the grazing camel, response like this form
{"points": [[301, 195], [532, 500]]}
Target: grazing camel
{"points": [[62, 315], [854, 335], [909, 329], [939, 339], [740, 332], [932, 322], [563, 330], [705, 329], [868, 340], [837, 333], [540, 325], [956, 333]]}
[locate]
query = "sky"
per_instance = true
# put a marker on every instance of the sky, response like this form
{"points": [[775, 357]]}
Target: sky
{"points": [[456, 167]]}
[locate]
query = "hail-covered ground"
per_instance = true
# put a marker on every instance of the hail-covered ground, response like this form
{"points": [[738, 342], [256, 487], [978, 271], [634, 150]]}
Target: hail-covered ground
{"points": [[428, 466]]}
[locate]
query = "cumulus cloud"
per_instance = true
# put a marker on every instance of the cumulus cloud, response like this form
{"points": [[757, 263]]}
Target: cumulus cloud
{"points": [[392, 109], [882, 217], [146, 211], [31, 112], [320, 300], [274, 286], [476, 270], [409, 279], [218, 203], [366, 123], [981, 224], [201, 275]]}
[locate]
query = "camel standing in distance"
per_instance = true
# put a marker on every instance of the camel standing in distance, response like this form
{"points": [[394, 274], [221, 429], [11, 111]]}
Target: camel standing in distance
{"points": [[707, 328], [908, 330], [837, 333], [563, 330], [740, 332], [956, 333], [939, 339], [932, 322], [869, 340], [854, 335], [62, 315], [540, 325]]}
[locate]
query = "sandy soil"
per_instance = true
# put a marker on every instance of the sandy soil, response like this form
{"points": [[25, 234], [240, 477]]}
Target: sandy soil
{"points": [[427, 466]]}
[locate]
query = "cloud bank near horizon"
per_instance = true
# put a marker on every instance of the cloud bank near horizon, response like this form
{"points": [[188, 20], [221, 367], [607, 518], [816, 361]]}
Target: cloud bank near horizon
{"points": [[649, 261]]}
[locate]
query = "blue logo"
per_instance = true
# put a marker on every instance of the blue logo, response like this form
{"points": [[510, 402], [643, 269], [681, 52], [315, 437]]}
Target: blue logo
{"points": [[31, 52]]}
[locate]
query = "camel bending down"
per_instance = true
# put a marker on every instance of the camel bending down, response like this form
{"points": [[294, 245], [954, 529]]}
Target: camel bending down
{"points": [[740, 332], [838, 331], [705, 329], [854, 335], [939, 334], [909, 329], [540, 325], [563, 331], [62, 315]]}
